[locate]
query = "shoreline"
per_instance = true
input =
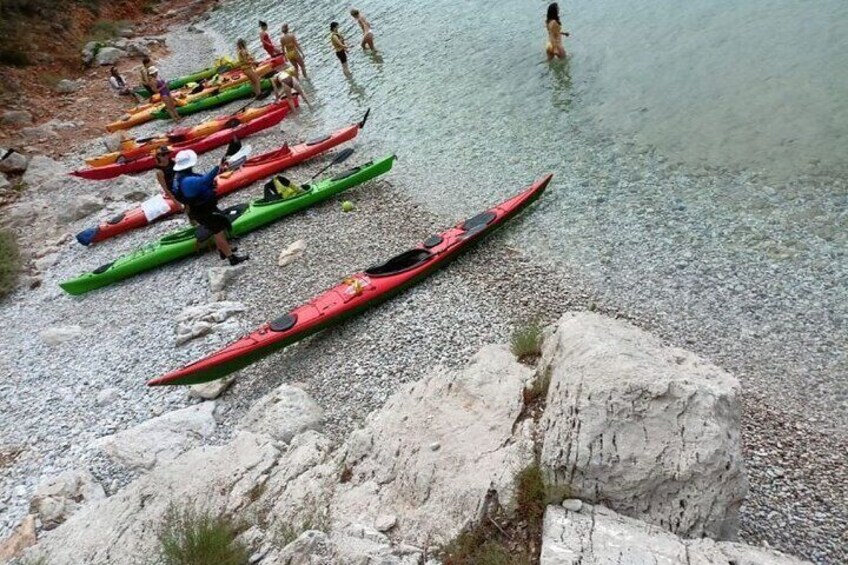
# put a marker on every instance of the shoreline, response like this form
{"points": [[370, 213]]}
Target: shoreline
{"points": [[337, 245]]}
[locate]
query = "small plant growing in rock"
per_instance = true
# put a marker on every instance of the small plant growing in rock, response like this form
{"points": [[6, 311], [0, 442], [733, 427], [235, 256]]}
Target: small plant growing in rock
{"points": [[194, 537], [312, 519], [538, 391], [527, 342], [10, 262]]}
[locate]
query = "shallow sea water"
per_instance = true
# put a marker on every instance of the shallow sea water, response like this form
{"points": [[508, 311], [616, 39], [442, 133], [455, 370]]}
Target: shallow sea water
{"points": [[699, 152]]}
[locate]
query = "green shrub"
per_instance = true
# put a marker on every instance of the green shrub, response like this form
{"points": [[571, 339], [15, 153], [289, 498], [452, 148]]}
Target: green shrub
{"points": [[10, 263], [527, 342], [192, 537], [13, 57]]}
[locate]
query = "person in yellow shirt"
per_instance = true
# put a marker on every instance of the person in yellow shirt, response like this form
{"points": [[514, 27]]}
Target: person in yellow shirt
{"points": [[339, 46]]}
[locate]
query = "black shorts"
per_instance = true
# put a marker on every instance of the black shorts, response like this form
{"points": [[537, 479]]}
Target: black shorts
{"points": [[342, 55], [210, 218]]}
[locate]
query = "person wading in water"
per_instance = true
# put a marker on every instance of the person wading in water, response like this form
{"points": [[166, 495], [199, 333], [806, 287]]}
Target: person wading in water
{"points": [[339, 46], [554, 46], [367, 32]]}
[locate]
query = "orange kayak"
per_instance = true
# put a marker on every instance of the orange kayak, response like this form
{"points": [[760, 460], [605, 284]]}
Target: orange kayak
{"points": [[147, 112], [134, 148]]}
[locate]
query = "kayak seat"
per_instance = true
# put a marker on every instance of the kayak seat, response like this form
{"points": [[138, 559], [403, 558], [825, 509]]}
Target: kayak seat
{"points": [[433, 241], [348, 173], [116, 219], [482, 219], [317, 140], [283, 323], [400, 263], [234, 212]]}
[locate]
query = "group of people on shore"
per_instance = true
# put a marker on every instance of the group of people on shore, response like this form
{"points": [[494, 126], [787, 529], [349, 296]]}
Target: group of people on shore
{"points": [[197, 192]]}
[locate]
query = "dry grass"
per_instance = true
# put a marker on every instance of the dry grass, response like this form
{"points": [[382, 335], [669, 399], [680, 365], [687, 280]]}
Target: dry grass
{"points": [[194, 537], [526, 342]]}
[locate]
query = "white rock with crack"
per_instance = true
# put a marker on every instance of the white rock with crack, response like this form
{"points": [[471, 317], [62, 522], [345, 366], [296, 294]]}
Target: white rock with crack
{"points": [[291, 253], [652, 431], [283, 414], [212, 389], [56, 498], [160, 439], [220, 277], [196, 321], [599, 536]]}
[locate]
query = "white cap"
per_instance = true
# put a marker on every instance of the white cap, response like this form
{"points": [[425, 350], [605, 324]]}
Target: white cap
{"points": [[185, 159], [152, 70]]}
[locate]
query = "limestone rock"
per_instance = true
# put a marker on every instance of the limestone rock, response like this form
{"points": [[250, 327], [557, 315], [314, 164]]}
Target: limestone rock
{"points": [[107, 396], [196, 321], [4, 182], [137, 48], [291, 253], [66, 86], [432, 494], [13, 162], [36, 133], [89, 51], [131, 189], [599, 536], [16, 118], [80, 207], [220, 277], [42, 169], [44, 263], [126, 32], [651, 431], [124, 526], [160, 439], [109, 56], [283, 414], [21, 538], [60, 334], [56, 498], [212, 389], [310, 548], [112, 142]]}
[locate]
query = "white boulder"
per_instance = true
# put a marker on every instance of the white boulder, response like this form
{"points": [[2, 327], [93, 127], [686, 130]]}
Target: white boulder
{"points": [[652, 431], [283, 414], [109, 56], [196, 321], [42, 169], [160, 439], [56, 498], [291, 253], [79, 207], [599, 536], [212, 389], [66, 86]]}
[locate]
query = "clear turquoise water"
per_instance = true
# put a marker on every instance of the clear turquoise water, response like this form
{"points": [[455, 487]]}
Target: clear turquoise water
{"points": [[699, 151]]}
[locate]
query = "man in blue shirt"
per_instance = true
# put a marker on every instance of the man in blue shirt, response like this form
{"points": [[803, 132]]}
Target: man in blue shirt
{"points": [[197, 193]]}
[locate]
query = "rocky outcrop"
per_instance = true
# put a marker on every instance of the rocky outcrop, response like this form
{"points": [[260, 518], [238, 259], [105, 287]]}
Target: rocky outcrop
{"points": [[196, 321], [598, 536], [42, 169], [109, 56], [124, 526], [22, 538], [648, 430], [80, 207], [16, 118], [162, 438], [56, 498], [12, 162], [220, 277], [66, 86], [283, 414]]}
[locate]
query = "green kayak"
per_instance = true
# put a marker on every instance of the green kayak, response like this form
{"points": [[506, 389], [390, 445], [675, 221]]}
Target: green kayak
{"points": [[244, 217], [184, 80], [228, 95]]}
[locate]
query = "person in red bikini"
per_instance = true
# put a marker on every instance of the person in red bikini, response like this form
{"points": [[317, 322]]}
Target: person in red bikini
{"points": [[265, 38]]}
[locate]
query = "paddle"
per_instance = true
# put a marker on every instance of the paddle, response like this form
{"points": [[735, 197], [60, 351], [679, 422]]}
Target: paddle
{"points": [[340, 158]]}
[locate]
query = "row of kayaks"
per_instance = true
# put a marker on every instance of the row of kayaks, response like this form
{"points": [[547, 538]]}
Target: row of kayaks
{"points": [[351, 296]]}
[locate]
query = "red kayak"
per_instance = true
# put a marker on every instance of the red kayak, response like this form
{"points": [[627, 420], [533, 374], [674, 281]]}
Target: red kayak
{"points": [[258, 167], [354, 294], [201, 145]]}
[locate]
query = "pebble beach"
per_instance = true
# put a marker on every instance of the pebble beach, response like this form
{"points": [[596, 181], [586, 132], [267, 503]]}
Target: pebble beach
{"points": [[55, 400]]}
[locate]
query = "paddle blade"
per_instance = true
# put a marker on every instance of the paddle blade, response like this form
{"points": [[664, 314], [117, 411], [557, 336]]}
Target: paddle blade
{"points": [[364, 118], [343, 156]]}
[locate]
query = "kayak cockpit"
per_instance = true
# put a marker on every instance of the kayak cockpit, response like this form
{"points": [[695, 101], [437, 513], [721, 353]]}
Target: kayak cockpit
{"points": [[400, 263]]}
